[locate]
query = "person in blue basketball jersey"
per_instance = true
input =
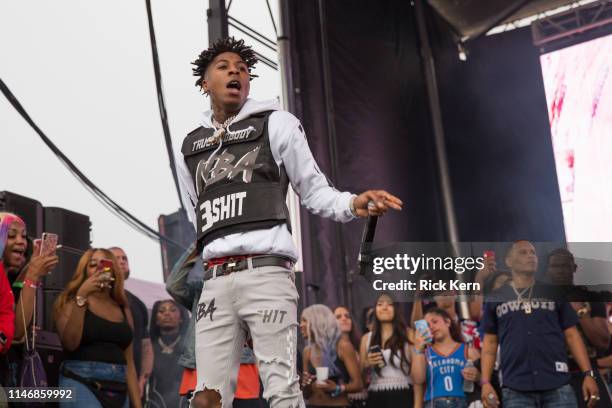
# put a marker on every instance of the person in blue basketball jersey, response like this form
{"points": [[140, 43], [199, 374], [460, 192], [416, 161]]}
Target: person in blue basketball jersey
{"points": [[441, 364]]}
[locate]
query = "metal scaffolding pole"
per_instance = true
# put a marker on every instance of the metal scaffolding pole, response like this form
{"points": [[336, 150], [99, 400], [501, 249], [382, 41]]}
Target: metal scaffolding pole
{"points": [[217, 21], [288, 102], [433, 99]]}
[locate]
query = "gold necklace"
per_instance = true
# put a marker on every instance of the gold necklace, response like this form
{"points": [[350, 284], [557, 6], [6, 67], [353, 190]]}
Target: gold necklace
{"points": [[519, 297]]}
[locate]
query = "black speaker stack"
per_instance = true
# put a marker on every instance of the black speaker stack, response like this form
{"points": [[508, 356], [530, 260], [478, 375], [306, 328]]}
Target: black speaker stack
{"points": [[31, 211], [73, 230]]}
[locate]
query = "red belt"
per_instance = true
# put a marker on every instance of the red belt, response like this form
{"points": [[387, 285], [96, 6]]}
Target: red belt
{"points": [[225, 259]]}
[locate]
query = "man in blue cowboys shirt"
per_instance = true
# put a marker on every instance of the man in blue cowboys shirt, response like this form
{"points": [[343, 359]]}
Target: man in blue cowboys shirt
{"points": [[532, 327], [234, 172]]}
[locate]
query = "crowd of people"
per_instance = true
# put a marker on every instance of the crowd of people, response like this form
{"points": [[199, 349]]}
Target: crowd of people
{"points": [[526, 343], [537, 344]]}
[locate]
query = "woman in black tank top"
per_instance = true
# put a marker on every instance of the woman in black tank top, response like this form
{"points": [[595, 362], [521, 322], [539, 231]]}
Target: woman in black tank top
{"points": [[326, 348], [95, 326]]}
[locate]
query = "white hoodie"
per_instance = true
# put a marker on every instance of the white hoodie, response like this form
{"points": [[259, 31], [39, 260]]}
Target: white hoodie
{"points": [[289, 147]]}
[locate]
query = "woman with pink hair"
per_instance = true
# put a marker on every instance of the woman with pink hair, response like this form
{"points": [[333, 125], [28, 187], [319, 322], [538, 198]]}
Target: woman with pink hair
{"points": [[12, 247], [17, 302]]}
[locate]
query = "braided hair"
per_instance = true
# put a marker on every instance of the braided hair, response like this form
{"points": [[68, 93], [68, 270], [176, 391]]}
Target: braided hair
{"points": [[228, 44]]}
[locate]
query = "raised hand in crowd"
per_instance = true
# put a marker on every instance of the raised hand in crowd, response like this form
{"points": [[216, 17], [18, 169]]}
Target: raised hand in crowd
{"points": [[489, 268], [483, 275], [98, 281], [39, 266], [420, 340]]}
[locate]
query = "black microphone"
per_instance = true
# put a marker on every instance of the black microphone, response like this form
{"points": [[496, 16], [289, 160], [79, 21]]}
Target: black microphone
{"points": [[364, 259]]}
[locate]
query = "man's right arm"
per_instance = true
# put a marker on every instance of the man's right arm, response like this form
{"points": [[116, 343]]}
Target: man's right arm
{"points": [[490, 344], [489, 397], [188, 194], [488, 356]]}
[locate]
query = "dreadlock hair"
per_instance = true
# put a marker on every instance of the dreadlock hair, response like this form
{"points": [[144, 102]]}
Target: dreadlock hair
{"points": [[228, 44]]}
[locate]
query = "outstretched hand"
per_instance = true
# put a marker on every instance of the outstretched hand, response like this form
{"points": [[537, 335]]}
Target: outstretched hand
{"points": [[376, 203]]}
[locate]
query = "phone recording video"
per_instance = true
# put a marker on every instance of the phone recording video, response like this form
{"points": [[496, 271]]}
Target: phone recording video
{"points": [[48, 244]]}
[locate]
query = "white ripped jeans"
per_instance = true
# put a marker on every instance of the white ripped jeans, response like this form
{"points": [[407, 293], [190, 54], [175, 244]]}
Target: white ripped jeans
{"points": [[263, 302]]}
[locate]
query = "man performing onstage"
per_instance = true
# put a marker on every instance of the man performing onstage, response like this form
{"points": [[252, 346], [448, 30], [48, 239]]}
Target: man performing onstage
{"points": [[234, 172]]}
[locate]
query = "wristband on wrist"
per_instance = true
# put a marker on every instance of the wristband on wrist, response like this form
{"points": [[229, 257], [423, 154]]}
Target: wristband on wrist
{"points": [[30, 283], [484, 382], [418, 351], [352, 206], [18, 284], [589, 373], [337, 391]]}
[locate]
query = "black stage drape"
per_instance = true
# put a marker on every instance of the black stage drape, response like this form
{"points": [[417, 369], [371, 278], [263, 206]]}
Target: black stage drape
{"points": [[495, 122]]}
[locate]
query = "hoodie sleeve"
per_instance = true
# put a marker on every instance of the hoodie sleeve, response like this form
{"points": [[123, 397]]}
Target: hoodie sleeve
{"points": [[289, 146], [7, 313], [188, 194]]}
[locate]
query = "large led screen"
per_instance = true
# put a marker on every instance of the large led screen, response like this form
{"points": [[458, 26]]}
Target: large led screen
{"points": [[578, 84]]}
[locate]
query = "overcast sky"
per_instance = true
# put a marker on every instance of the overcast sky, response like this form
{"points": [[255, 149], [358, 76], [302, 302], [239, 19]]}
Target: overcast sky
{"points": [[84, 73]]}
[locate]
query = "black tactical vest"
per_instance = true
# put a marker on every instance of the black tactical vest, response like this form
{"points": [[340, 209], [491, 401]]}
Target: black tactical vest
{"points": [[240, 188]]}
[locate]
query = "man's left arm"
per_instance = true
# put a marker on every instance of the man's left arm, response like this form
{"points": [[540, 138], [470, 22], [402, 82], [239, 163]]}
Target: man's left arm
{"points": [[577, 348], [188, 197], [593, 324], [574, 341]]}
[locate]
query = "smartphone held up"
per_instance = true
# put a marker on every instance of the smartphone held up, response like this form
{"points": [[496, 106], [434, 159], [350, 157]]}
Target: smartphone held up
{"points": [[423, 329], [105, 266], [48, 244]]}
